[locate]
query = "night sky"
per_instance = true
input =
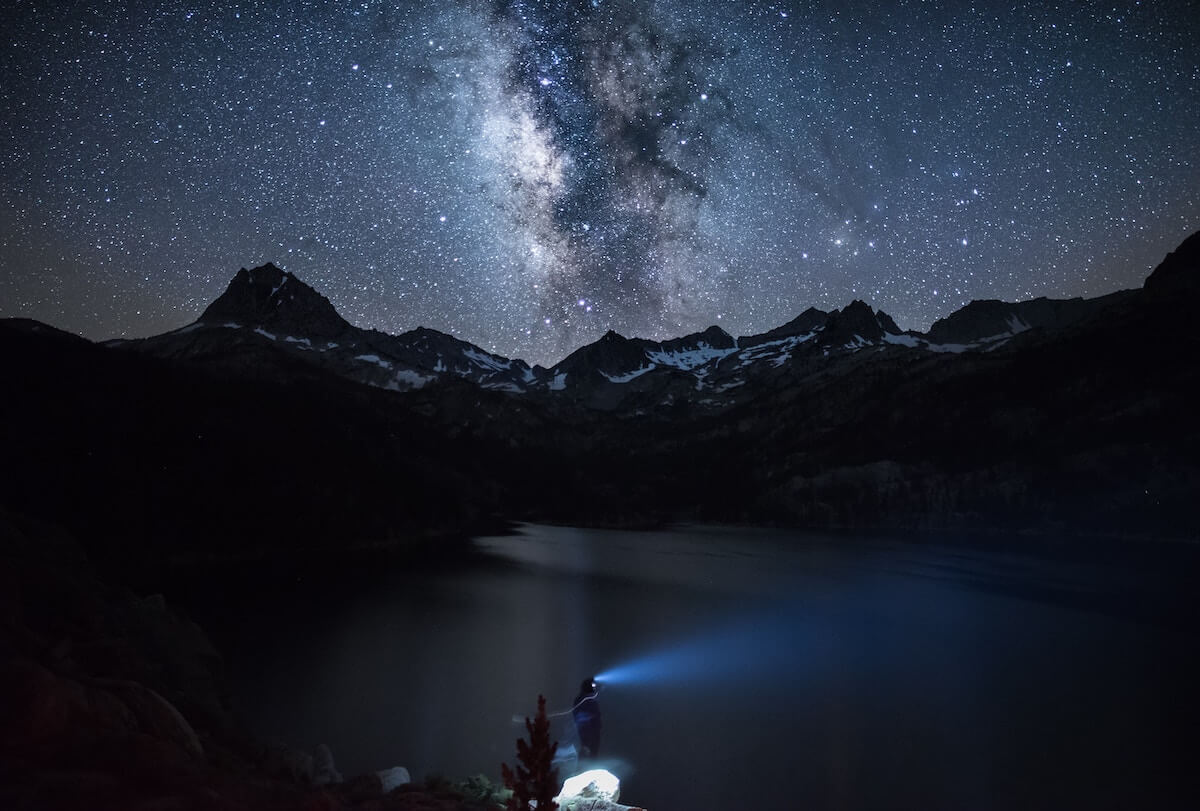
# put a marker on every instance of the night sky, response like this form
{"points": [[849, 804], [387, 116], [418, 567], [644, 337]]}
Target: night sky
{"points": [[526, 175]]}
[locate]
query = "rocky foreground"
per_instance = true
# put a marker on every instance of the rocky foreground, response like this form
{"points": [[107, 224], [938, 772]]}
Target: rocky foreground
{"points": [[111, 701]]}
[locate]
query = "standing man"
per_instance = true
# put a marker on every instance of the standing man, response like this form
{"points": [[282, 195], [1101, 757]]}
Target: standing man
{"points": [[587, 719]]}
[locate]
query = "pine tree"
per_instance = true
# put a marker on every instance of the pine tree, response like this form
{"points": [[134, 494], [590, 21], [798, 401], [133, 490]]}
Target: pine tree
{"points": [[534, 779]]}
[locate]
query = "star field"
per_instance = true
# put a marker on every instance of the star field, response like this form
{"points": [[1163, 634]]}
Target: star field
{"points": [[526, 175]]}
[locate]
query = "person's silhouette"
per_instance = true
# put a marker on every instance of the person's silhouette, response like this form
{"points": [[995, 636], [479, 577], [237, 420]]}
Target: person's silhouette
{"points": [[587, 719]]}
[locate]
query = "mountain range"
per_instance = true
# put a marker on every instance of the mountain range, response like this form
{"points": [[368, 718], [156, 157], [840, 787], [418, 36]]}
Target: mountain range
{"points": [[266, 310], [271, 419]]}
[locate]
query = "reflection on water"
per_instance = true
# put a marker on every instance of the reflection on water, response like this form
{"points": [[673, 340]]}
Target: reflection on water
{"points": [[745, 668]]}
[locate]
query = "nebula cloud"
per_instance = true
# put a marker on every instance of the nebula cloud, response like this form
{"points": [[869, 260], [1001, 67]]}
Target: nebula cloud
{"points": [[528, 174]]}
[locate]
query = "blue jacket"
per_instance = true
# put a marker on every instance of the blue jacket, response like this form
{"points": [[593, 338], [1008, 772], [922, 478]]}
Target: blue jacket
{"points": [[587, 716]]}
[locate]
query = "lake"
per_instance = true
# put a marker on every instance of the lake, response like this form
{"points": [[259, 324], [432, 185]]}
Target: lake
{"points": [[748, 668]]}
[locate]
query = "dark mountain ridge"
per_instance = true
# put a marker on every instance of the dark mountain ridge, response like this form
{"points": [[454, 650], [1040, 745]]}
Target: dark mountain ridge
{"points": [[990, 320], [266, 309], [220, 440]]}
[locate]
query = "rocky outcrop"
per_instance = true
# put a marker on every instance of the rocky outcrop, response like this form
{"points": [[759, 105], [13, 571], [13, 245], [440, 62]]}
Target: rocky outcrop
{"points": [[44, 710], [325, 773], [276, 301], [77, 732], [856, 324]]}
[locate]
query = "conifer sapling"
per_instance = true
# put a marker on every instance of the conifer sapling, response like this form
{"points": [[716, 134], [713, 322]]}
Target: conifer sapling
{"points": [[534, 780]]}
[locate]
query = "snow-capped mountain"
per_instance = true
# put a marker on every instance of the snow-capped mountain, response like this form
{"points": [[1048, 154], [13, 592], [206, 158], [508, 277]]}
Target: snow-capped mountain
{"points": [[267, 311]]}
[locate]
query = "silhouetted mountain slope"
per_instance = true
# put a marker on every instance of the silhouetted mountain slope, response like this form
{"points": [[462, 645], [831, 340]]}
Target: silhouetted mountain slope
{"points": [[216, 439], [1179, 271], [266, 311], [159, 460], [269, 298], [808, 321], [992, 320]]}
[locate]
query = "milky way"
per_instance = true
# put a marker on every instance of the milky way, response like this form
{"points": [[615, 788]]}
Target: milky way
{"points": [[527, 175]]}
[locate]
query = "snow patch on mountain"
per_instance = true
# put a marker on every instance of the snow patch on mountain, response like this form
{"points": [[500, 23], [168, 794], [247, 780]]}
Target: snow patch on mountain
{"points": [[509, 387], [487, 361], [955, 349], [625, 378], [378, 361], [1015, 327], [407, 379], [773, 349], [688, 359]]}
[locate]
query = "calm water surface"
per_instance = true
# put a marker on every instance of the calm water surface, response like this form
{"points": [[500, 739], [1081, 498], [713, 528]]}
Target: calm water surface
{"points": [[760, 669]]}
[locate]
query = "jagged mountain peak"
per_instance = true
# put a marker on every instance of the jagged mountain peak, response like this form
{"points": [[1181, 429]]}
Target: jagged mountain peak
{"points": [[275, 300], [858, 320], [269, 273], [612, 353], [713, 336], [808, 321]]}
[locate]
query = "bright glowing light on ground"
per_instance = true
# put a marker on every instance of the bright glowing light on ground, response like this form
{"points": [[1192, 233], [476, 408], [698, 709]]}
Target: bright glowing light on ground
{"points": [[595, 783]]}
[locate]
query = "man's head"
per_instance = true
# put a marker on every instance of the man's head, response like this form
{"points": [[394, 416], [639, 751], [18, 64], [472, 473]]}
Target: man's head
{"points": [[588, 685]]}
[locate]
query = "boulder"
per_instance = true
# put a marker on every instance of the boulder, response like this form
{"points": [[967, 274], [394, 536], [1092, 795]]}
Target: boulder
{"points": [[281, 761], [155, 716], [593, 790], [324, 772], [393, 778], [38, 707]]}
